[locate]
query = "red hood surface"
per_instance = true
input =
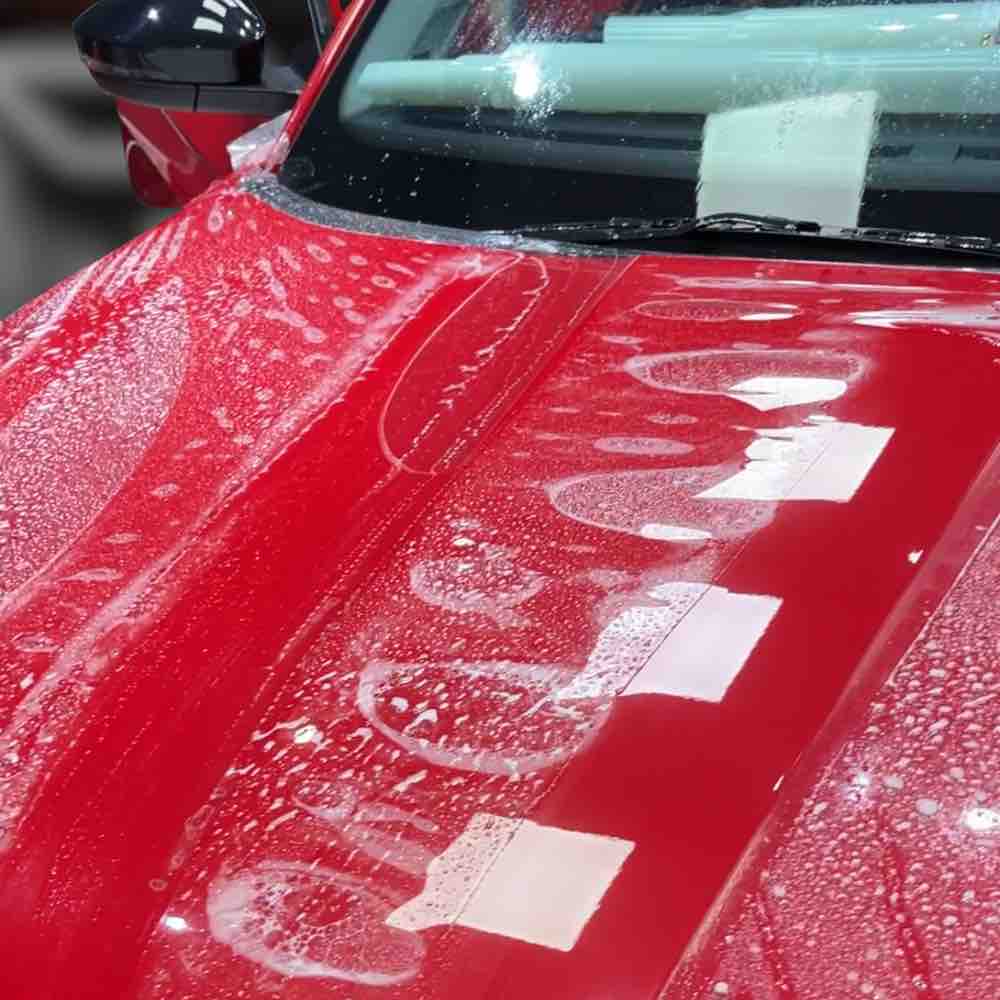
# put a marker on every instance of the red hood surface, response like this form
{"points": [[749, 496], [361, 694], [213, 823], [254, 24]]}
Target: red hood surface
{"points": [[385, 617]]}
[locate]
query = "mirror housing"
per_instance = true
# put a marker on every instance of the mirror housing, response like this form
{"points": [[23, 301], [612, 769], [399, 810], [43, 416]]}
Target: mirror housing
{"points": [[186, 55]]}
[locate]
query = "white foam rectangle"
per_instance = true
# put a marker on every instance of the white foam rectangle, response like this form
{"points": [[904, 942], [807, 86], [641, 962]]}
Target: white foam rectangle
{"points": [[804, 158], [823, 461], [703, 655], [519, 879]]}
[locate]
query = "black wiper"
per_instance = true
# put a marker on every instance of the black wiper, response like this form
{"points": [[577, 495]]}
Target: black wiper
{"points": [[626, 230]]}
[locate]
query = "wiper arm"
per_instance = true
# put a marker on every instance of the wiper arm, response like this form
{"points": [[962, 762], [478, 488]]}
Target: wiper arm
{"points": [[627, 229]]}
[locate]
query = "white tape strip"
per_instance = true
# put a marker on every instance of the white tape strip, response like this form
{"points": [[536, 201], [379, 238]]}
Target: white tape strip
{"points": [[516, 878], [820, 461], [711, 644]]}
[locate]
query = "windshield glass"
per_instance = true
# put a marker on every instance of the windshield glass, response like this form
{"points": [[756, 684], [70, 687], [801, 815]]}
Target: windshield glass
{"points": [[493, 114]]}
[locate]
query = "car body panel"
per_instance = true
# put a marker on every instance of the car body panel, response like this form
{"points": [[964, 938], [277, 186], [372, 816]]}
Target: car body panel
{"points": [[877, 873], [342, 558], [172, 156]]}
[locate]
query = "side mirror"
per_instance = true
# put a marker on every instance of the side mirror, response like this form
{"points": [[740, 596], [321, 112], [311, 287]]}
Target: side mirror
{"points": [[187, 55], [190, 77]]}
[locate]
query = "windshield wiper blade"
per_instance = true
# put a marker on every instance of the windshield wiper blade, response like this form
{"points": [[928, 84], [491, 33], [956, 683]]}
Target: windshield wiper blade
{"points": [[628, 229], [617, 228]]}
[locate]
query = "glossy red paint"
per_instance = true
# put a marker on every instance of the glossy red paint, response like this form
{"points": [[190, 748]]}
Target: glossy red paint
{"points": [[329, 554], [877, 873], [173, 156]]}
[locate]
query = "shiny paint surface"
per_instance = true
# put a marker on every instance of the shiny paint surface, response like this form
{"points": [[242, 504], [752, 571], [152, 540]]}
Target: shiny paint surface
{"points": [[328, 553], [173, 156], [878, 874]]}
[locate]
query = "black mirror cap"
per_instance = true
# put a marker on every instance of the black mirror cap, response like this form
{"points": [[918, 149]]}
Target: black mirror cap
{"points": [[173, 41]]}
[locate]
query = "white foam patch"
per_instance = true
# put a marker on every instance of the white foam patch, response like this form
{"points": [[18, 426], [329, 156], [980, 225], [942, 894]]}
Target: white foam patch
{"points": [[279, 915], [819, 461], [518, 879], [642, 446], [80, 439], [710, 645], [497, 718], [804, 158], [763, 378], [487, 580], [771, 392]]}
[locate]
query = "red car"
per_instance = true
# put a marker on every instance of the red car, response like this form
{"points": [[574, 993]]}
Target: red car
{"points": [[531, 531]]}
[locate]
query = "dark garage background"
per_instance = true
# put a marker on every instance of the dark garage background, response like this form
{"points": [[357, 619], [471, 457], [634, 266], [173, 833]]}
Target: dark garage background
{"points": [[64, 195]]}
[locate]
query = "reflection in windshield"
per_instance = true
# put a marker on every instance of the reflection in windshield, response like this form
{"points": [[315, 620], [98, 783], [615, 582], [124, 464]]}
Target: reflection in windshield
{"points": [[490, 114]]}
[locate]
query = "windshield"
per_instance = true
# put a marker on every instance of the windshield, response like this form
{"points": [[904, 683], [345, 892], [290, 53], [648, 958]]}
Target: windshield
{"points": [[491, 114]]}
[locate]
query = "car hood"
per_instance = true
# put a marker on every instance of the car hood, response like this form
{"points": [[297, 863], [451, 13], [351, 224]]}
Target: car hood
{"points": [[387, 615]]}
